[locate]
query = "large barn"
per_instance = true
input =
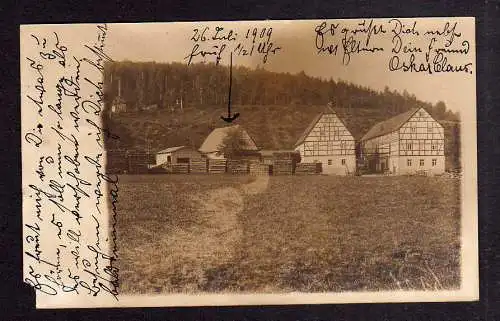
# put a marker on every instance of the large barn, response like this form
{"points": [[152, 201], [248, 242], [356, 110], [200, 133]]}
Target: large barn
{"points": [[328, 141], [409, 143], [211, 147]]}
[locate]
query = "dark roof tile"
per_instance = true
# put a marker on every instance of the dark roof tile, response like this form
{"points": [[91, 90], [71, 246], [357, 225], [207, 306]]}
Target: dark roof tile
{"points": [[390, 125]]}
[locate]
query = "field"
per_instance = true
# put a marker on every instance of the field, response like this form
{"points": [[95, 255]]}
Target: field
{"points": [[209, 233]]}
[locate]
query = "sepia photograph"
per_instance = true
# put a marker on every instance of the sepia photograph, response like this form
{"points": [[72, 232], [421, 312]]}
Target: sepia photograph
{"points": [[252, 162], [238, 178]]}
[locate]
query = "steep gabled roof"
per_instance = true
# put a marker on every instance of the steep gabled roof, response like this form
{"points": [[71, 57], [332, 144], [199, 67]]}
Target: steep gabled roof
{"points": [[308, 129], [313, 123], [171, 149], [390, 125], [214, 139]]}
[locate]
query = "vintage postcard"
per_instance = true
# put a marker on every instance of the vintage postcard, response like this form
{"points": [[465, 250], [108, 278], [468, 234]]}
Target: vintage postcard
{"points": [[250, 162]]}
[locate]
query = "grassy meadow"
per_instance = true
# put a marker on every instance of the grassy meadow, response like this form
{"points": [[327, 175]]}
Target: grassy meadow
{"points": [[210, 233]]}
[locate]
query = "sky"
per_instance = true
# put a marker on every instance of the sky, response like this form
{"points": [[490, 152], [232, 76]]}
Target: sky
{"points": [[298, 51]]}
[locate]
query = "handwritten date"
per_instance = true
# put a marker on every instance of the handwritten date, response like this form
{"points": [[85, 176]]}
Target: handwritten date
{"points": [[212, 43]]}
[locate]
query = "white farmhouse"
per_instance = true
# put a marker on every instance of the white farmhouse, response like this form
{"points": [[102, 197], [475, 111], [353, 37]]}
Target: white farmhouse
{"points": [[409, 143], [328, 141]]}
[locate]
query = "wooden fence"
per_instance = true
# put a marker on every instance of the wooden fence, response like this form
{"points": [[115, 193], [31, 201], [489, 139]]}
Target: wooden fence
{"points": [[257, 168], [237, 166], [180, 168], [216, 166], [136, 162], [198, 165], [282, 167]]}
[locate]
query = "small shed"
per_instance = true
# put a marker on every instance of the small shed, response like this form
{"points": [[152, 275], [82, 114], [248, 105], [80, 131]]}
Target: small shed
{"points": [[177, 155], [118, 105]]}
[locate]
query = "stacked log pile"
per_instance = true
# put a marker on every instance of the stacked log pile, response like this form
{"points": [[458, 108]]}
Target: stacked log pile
{"points": [[308, 168], [216, 166], [198, 165], [237, 166], [128, 161], [137, 162], [305, 168], [117, 161], [282, 167]]}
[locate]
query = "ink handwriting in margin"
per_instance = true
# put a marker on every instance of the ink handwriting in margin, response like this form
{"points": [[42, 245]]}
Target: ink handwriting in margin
{"points": [[103, 273]]}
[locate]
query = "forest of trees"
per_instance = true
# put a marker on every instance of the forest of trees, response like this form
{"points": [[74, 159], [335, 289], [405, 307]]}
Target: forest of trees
{"points": [[164, 85]]}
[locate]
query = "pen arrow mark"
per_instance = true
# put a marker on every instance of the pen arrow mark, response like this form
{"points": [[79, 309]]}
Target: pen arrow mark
{"points": [[229, 118]]}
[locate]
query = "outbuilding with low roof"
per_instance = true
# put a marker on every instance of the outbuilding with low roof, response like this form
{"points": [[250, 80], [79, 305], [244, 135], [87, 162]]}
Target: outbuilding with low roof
{"points": [[177, 155]]}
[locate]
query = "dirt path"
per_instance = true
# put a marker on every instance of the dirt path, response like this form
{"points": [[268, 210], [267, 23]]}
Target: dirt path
{"points": [[221, 229], [211, 243]]}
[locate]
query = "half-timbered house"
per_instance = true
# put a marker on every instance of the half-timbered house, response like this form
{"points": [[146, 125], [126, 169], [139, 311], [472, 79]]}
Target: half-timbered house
{"points": [[328, 141], [409, 143]]}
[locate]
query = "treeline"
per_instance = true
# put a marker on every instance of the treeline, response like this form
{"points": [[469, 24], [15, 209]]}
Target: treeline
{"points": [[164, 86]]}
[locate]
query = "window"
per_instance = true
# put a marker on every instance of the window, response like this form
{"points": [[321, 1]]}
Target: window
{"points": [[420, 114], [169, 159], [329, 162], [433, 146], [413, 129], [409, 146], [434, 162], [408, 162], [421, 162], [343, 161]]}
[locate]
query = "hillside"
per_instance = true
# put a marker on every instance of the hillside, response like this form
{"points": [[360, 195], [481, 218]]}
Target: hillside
{"points": [[274, 108], [272, 127]]}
